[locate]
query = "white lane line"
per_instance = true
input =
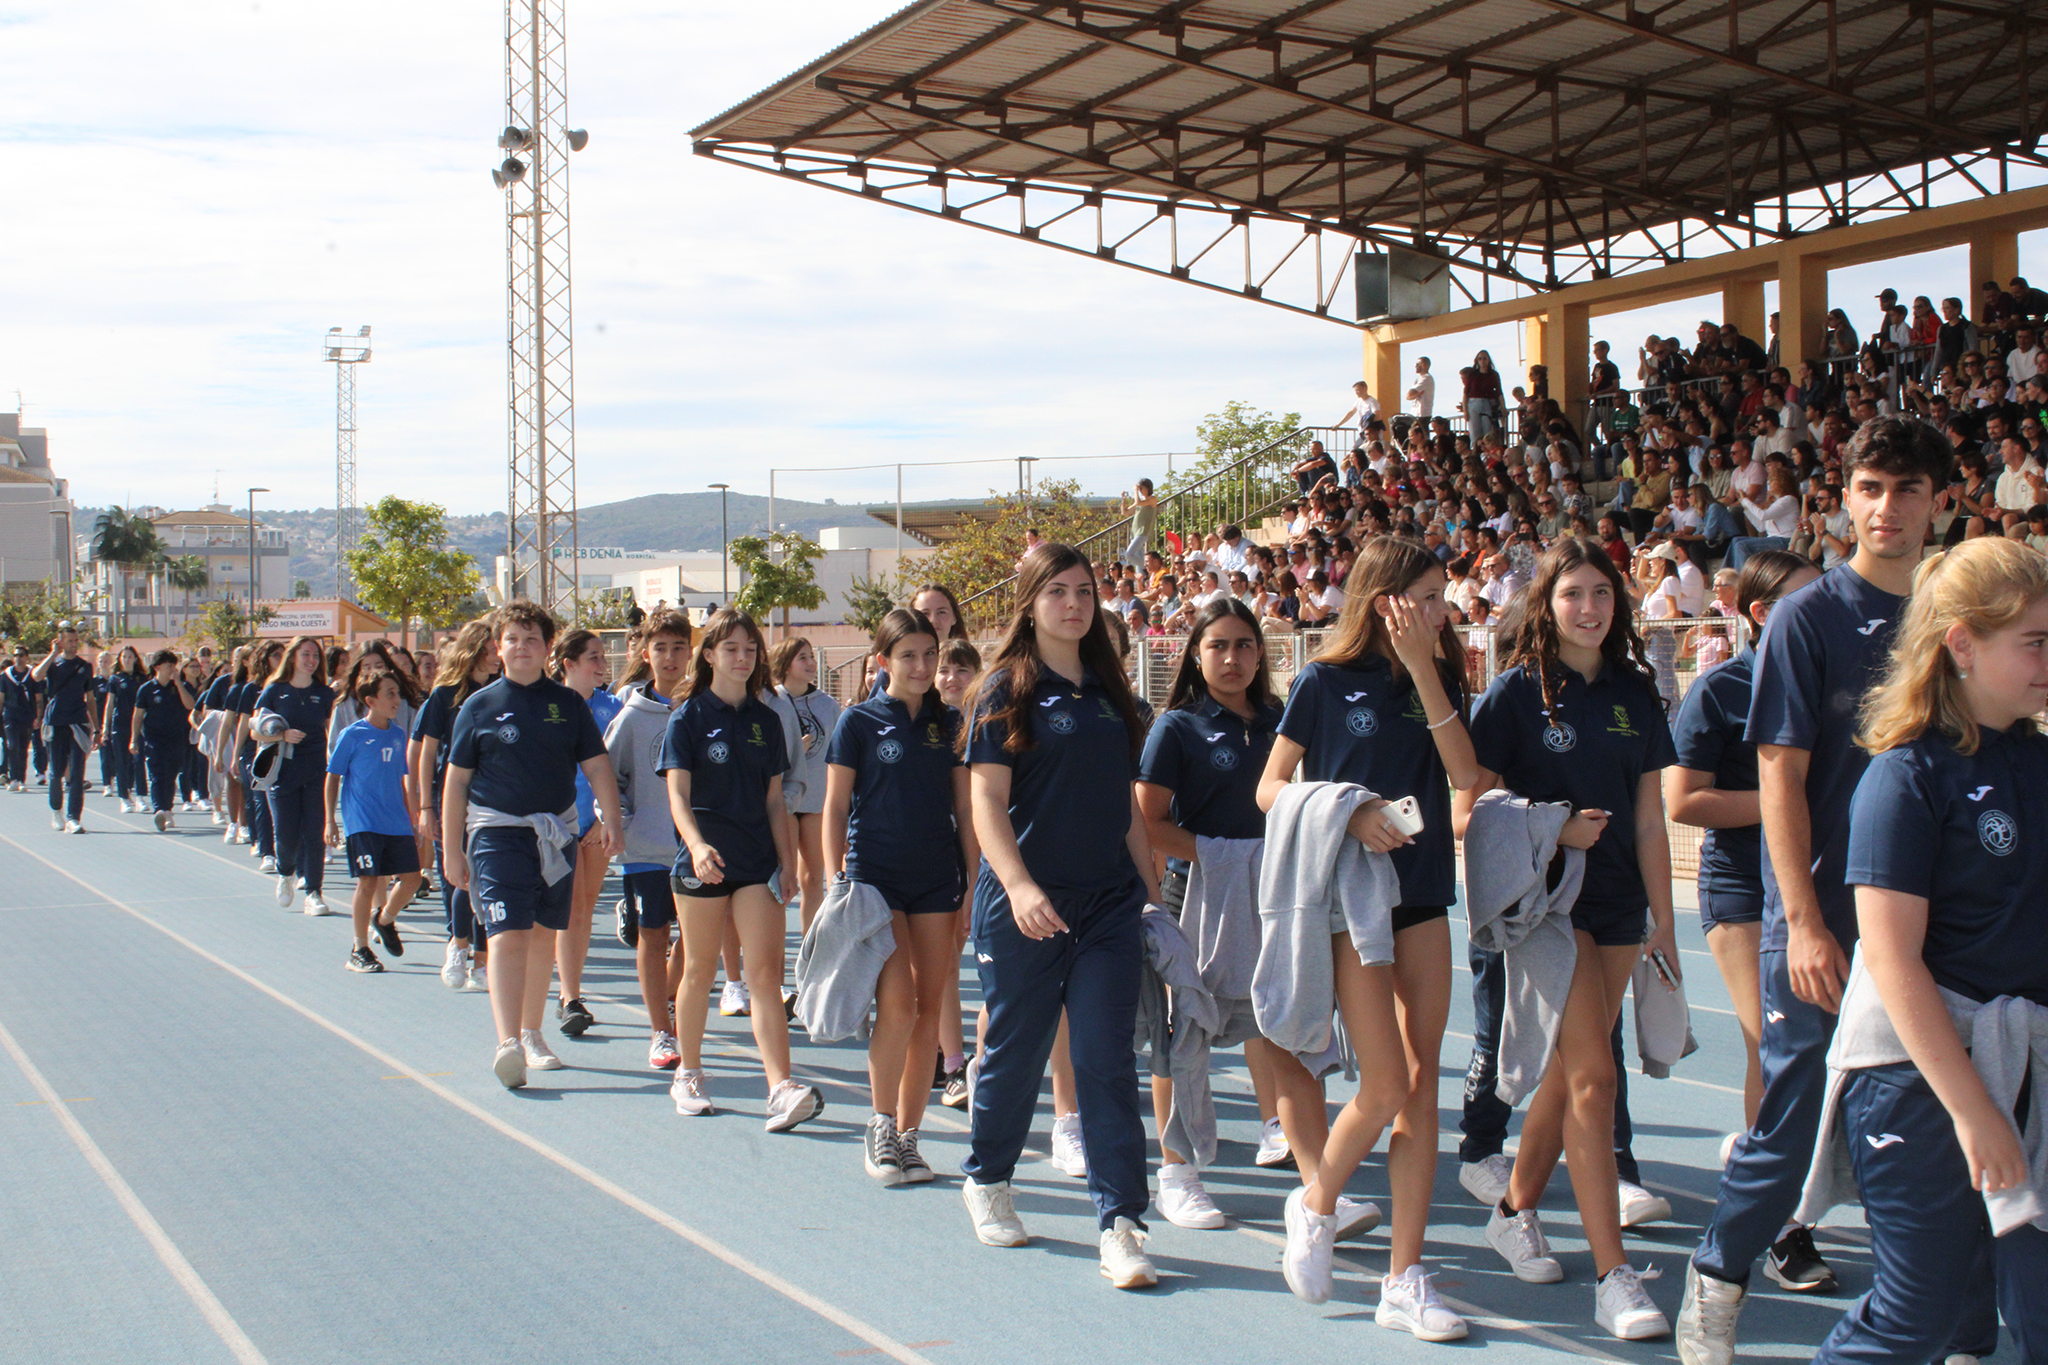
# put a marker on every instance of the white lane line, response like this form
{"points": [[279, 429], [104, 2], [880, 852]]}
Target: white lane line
{"points": [[803, 1298], [216, 1314], [1471, 1312]]}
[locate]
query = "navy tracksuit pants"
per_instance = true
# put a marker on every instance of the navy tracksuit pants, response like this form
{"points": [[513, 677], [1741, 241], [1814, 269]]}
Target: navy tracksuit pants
{"points": [[1091, 971], [67, 767], [1930, 1238], [1485, 1124], [298, 818], [17, 749], [256, 810], [161, 761]]}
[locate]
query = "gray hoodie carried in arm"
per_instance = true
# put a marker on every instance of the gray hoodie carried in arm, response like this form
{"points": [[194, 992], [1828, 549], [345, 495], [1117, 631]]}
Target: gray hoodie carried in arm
{"points": [[634, 742], [1509, 845]]}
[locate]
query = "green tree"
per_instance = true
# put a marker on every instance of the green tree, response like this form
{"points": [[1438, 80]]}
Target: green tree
{"points": [[870, 599], [403, 568], [791, 581], [130, 543], [302, 590], [227, 625], [1223, 438], [31, 618], [187, 573], [985, 550]]}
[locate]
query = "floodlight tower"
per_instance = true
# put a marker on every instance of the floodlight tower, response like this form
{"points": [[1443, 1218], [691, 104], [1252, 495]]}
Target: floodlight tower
{"points": [[345, 353], [541, 541]]}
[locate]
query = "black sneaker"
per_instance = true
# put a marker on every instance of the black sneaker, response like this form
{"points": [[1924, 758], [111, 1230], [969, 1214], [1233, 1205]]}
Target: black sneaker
{"points": [[575, 1017], [954, 1095], [881, 1157], [789, 1006], [939, 1072], [916, 1170], [628, 924], [388, 935], [363, 960], [1796, 1266]]}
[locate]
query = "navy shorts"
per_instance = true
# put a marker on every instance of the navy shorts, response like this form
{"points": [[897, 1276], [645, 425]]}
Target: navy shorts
{"points": [[1613, 926], [382, 855], [705, 891], [506, 889], [942, 899], [1730, 907], [652, 898], [1408, 916]]}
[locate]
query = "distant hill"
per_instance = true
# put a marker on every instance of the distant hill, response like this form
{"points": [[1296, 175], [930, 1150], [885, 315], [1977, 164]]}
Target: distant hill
{"points": [[657, 521]]}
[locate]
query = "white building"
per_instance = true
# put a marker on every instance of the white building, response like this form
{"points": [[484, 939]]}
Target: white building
{"points": [[36, 515], [218, 537], [697, 578]]}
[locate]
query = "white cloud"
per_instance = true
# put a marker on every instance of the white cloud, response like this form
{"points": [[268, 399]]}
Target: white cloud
{"points": [[197, 192]]}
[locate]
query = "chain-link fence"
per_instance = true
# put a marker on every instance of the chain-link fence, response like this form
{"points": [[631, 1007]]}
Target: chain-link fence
{"points": [[1680, 651]]}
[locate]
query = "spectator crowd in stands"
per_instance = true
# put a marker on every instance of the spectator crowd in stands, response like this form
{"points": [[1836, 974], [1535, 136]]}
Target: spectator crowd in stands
{"points": [[1719, 451]]}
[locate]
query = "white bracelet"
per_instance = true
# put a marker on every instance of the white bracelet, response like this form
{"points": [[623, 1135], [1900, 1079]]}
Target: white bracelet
{"points": [[1442, 723]]}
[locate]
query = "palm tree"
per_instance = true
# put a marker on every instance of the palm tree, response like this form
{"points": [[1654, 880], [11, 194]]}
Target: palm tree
{"points": [[187, 573], [128, 542]]}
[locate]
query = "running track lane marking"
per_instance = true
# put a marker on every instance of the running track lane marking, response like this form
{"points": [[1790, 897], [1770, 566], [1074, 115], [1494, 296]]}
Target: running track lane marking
{"points": [[243, 1348], [216, 1314]]}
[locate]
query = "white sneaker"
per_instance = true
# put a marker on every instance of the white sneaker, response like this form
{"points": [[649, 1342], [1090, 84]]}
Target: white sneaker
{"points": [[268, 867], [1408, 1303], [510, 1064], [74, 827], [1273, 1149], [1707, 1318], [1728, 1148], [163, 821], [994, 1213], [1183, 1202], [1123, 1256], [219, 818], [241, 834], [1068, 1155], [129, 806], [1521, 1243], [1638, 1205], [316, 904], [479, 982], [790, 1103], [691, 1092], [1486, 1179], [56, 822], [1355, 1218], [1623, 1307], [539, 1057], [455, 965], [662, 1054], [227, 836], [287, 887], [733, 1000], [1306, 1261]]}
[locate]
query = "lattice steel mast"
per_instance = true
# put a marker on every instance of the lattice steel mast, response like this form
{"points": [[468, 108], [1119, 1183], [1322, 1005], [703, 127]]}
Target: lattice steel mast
{"points": [[346, 353], [541, 541]]}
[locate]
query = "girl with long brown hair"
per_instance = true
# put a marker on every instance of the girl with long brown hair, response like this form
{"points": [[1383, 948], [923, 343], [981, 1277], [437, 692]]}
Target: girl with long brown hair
{"points": [[240, 751], [579, 664], [468, 661], [1576, 718], [724, 757], [1065, 873], [298, 691], [1382, 706]]}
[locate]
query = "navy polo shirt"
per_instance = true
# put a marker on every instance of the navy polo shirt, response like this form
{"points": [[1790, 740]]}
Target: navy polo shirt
{"points": [[1823, 648], [307, 709], [1211, 758], [1359, 723], [1708, 736], [67, 681], [436, 721], [731, 753], [218, 692], [165, 717], [523, 745], [120, 695], [18, 692], [1954, 829], [1070, 792], [900, 832], [244, 703], [1591, 751]]}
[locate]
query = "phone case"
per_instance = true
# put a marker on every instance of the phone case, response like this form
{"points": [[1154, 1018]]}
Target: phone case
{"points": [[1405, 816]]}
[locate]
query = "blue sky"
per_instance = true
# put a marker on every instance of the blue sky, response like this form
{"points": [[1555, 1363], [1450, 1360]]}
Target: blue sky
{"points": [[196, 192]]}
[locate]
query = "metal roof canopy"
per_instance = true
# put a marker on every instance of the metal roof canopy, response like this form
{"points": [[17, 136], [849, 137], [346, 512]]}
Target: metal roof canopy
{"points": [[1254, 146]]}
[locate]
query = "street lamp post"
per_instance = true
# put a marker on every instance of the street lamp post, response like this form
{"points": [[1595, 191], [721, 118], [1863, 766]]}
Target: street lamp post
{"points": [[724, 547], [252, 556]]}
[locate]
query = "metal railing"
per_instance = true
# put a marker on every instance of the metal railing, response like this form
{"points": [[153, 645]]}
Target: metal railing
{"points": [[1680, 651]]}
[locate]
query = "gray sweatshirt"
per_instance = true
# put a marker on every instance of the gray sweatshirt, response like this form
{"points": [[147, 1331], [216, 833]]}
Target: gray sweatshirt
{"points": [[1220, 914], [634, 742], [841, 959], [1509, 845], [2006, 1037], [1313, 869], [807, 725]]}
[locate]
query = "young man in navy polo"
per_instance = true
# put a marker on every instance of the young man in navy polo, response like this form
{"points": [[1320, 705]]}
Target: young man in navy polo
{"points": [[1823, 648], [19, 697], [70, 710], [508, 824]]}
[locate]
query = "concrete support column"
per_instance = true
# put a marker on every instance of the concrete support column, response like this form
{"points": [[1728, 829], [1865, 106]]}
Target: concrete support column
{"points": [[1993, 257], [1567, 351], [1383, 370], [1532, 341], [1802, 306], [1742, 303]]}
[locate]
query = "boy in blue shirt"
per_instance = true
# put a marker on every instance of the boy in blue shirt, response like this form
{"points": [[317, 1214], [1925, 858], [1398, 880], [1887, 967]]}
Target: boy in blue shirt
{"points": [[508, 824], [366, 777]]}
